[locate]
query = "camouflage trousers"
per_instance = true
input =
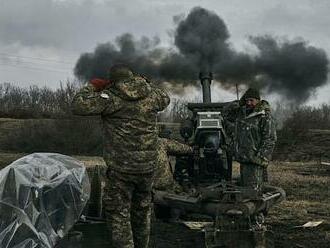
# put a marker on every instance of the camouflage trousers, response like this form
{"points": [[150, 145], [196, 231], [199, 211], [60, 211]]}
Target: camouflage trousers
{"points": [[252, 175], [163, 179], [127, 201]]}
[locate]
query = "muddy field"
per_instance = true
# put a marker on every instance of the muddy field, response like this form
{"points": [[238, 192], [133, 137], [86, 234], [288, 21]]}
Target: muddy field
{"points": [[308, 199]]}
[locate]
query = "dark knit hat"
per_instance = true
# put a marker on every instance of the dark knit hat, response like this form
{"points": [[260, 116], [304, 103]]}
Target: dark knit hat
{"points": [[252, 93]]}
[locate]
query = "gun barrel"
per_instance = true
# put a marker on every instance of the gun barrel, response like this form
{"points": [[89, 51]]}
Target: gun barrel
{"points": [[206, 79]]}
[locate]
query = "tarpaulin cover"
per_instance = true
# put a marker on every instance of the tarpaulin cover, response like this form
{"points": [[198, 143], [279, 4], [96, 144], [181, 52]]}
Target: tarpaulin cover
{"points": [[41, 197]]}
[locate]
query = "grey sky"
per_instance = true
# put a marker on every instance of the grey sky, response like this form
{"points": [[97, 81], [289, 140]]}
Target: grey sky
{"points": [[40, 40]]}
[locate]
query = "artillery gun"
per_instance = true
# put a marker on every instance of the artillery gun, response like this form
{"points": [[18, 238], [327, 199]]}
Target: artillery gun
{"points": [[236, 212]]}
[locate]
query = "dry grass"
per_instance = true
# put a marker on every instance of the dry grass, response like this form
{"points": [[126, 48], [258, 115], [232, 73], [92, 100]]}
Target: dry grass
{"points": [[7, 158], [308, 199]]}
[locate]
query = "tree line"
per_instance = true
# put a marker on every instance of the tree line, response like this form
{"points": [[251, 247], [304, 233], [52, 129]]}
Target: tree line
{"points": [[52, 127]]}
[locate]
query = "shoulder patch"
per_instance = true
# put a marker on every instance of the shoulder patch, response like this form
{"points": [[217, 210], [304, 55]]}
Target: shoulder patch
{"points": [[105, 95]]}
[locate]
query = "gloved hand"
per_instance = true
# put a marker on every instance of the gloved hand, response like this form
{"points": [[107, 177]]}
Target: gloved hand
{"points": [[261, 161], [99, 84]]}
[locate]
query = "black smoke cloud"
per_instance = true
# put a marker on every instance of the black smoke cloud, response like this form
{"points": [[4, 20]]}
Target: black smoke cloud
{"points": [[142, 55], [202, 38], [293, 69]]}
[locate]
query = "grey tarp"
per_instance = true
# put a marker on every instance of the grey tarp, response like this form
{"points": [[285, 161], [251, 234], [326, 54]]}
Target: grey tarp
{"points": [[41, 197]]}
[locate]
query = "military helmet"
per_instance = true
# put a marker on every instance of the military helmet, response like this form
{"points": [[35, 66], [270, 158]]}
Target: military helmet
{"points": [[120, 72], [252, 93]]}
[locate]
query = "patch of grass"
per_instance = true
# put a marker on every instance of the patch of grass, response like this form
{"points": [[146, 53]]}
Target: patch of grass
{"points": [[308, 199], [8, 158], [66, 136]]}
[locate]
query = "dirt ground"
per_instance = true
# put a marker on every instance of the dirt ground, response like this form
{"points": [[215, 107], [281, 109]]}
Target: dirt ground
{"points": [[307, 185]]}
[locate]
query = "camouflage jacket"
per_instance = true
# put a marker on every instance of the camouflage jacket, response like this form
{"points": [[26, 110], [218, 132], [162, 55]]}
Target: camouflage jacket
{"points": [[128, 110], [255, 135], [163, 175]]}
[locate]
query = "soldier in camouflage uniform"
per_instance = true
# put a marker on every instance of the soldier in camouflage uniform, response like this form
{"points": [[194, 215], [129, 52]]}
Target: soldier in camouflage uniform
{"points": [[128, 108], [164, 176], [255, 137]]}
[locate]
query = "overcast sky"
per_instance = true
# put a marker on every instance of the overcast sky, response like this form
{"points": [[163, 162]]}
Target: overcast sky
{"points": [[40, 40]]}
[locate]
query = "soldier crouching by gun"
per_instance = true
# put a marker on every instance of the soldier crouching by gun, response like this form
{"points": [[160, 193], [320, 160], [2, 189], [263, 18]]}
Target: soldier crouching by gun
{"points": [[254, 138], [164, 176], [128, 107]]}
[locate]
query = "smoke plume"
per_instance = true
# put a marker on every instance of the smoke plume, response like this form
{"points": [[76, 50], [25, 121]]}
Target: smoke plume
{"points": [[202, 38], [293, 69], [142, 55]]}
